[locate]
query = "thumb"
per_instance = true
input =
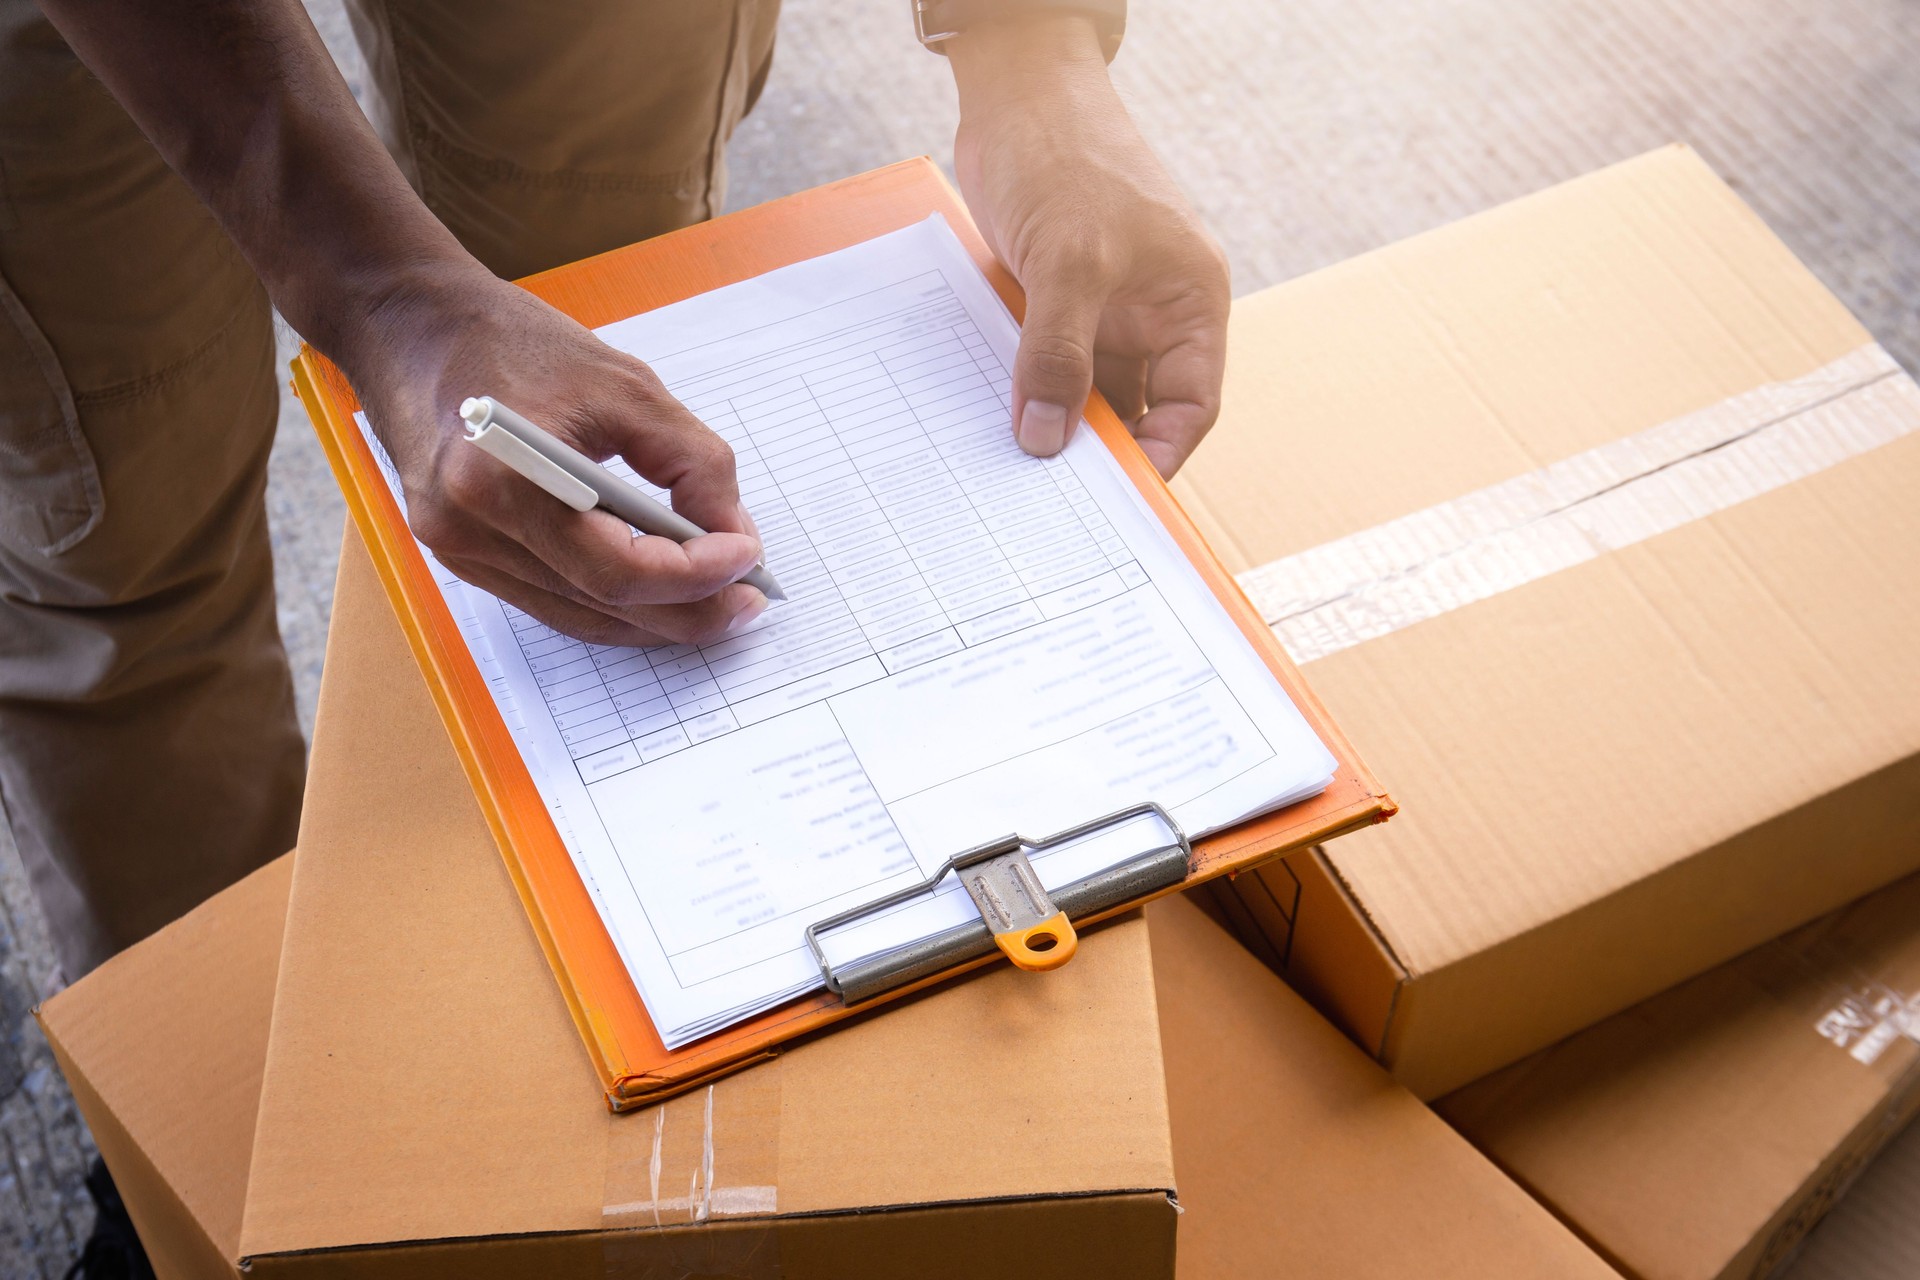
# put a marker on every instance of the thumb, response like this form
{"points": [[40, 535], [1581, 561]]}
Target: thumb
{"points": [[1054, 370]]}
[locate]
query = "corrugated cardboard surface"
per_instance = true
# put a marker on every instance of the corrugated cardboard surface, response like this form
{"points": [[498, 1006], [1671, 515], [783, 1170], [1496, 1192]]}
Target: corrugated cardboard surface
{"points": [[424, 1082], [1625, 772], [1698, 1136], [163, 1046], [1873, 1234], [1314, 1164], [1299, 1158]]}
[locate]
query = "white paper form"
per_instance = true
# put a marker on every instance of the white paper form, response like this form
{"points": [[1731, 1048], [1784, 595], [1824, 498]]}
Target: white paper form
{"points": [[975, 642]]}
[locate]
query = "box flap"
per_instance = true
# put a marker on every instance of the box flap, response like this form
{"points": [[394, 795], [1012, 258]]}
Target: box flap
{"points": [[1299, 1157], [414, 1004], [1559, 741], [172, 1066]]}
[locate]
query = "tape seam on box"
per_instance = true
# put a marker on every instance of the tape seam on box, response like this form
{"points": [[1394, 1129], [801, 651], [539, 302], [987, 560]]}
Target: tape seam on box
{"points": [[1430, 562], [1867, 1020], [691, 1185]]}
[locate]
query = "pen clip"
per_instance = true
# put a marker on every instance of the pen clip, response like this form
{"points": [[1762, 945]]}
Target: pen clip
{"points": [[522, 457]]}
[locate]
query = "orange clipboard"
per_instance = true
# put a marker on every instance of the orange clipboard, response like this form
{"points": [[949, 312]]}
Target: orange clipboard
{"points": [[634, 1066]]}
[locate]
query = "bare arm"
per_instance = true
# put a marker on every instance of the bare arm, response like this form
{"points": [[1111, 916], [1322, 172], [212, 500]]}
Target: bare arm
{"points": [[242, 100]]}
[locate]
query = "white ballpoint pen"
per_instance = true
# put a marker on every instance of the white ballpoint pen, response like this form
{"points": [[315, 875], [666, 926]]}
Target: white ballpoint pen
{"points": [[579, 481]]}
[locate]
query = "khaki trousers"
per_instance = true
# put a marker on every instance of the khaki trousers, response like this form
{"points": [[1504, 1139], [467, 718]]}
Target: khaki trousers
{"points": [[149, 753]]}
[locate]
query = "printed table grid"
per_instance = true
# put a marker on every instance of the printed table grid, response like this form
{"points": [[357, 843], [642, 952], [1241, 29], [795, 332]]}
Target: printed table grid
{"points": [[898, 512]]}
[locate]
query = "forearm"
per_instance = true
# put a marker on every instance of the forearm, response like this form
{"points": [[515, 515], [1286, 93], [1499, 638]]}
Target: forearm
{"points": [[241, 98], [998, 63], [243, 101]]}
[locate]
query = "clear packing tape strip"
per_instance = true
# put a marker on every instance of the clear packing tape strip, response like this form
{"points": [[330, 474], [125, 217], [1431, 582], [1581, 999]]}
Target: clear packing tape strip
{"points": [[1379, 580], [691, 1184]]}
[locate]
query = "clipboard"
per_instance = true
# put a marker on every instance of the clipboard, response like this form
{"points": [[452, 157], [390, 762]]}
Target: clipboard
{"points": [[635, 1067]]}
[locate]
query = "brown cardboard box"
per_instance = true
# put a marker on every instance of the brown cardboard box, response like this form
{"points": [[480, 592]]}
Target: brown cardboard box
{"points": [[1314, 1164], [1700, 1135], [163, 1047], [1299, 1158], [1634, 730], [427, 1107]]}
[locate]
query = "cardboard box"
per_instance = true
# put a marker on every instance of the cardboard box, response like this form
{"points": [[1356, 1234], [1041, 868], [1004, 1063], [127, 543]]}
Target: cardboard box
{"points": [[427, 1107], [1595, 517], [1318, 1166], [1299, 1158], [163, 1047], [1702, 1134]]}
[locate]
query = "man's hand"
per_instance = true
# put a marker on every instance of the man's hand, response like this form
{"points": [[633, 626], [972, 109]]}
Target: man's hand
{"points": [[244, 102], [1124, 286], [464, 332]]}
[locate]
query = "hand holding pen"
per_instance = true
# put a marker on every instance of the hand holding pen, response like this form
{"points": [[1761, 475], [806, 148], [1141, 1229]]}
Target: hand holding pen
{"points": [[583, 573], [579, 481]]}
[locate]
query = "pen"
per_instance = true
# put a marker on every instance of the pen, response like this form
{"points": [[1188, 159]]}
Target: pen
{"points": [[579, 481]]}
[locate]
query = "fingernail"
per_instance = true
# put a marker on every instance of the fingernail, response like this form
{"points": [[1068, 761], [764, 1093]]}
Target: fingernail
{"points": [[1043, 428], [744, 619]]}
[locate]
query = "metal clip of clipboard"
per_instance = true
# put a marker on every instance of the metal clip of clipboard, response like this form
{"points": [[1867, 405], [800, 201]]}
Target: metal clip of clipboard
{"points": [[1017, 914]]}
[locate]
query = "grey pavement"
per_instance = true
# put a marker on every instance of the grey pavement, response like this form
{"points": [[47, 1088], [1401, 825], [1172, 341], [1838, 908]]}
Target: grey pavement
{"points": [[1306, 132]]}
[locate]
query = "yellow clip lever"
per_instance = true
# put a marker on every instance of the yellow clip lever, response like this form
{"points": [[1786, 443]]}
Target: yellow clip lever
{"points": [[1035, 934], [1043, 946]]}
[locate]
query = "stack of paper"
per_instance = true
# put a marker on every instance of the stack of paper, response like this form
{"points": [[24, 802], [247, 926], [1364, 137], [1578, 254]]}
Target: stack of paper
{"points": [[976, 642]]}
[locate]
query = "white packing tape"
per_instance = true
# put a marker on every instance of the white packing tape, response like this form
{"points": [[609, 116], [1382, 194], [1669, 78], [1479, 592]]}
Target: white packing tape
{"points": [[1341, 593], [1867, 1021]]}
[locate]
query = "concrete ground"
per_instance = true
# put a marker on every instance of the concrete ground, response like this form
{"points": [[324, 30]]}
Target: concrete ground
{"points": [[1306, 132]]}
